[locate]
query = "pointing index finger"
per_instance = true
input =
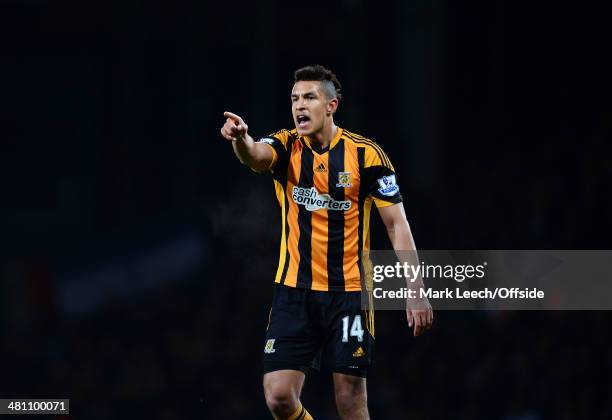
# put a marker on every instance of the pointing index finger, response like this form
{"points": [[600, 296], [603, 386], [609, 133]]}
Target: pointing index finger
{"points": [[233, 117]]}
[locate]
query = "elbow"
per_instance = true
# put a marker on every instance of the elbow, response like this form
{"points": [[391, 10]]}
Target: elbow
{"points": [[391, 230], [258, 167], [404, 227], [398, 226]]}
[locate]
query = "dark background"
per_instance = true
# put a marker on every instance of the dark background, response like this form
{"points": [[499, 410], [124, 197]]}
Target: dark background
{"points": [[138, 254]]}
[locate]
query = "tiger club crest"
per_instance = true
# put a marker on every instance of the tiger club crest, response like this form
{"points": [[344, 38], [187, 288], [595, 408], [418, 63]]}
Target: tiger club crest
{"points": [[344, 180]]}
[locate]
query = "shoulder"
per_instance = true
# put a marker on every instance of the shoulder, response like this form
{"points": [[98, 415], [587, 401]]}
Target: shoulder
{"points": [[374, 154], [283, 135]]}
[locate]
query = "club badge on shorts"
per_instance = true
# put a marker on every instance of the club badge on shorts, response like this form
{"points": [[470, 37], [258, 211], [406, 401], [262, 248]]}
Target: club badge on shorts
{"points": [[269, 349]]}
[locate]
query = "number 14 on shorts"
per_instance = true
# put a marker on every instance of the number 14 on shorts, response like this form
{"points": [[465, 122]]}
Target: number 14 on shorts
{"points": [[355, 331]]}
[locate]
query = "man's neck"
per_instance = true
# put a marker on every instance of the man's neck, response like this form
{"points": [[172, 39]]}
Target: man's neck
{"points": [[324, 137]]}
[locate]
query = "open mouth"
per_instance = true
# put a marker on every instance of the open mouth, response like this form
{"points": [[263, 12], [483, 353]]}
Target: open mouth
{"points": [[302, 121]]}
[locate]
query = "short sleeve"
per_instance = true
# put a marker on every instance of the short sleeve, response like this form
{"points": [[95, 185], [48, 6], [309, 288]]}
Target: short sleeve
{"points": [[278, 143], [380, 177]]}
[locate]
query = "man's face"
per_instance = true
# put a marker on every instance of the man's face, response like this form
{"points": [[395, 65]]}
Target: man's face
{"points": [[310, 107]]}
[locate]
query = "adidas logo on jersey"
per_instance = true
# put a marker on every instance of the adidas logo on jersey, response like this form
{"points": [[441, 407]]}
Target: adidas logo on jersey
{"points": [[321, 168], [313, 201], [359, 352]]}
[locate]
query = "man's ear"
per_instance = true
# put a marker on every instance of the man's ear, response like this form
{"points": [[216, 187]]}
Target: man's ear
{"points": [[332, 106]]}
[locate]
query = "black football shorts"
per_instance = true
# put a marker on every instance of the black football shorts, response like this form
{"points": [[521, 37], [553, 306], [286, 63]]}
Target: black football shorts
{"points": [[323, 330]]}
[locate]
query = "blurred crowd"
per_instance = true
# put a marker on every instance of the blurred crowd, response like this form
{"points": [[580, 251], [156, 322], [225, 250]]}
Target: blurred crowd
{"points": [[497, 121], [194, 352], [192, 349]]}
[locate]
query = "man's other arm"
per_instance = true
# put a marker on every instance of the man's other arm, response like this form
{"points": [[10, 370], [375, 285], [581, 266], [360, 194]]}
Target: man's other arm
{"points": [[257, 156], [400, 235]]}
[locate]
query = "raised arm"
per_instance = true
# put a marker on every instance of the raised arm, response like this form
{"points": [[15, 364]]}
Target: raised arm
{"points": [[257, 156], [400, 235]]}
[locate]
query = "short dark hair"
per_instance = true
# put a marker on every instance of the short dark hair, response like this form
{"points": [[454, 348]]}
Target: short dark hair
{"points": [[318, 73]]}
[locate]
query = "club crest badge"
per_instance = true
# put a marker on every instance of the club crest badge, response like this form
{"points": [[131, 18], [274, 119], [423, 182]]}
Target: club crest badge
{"points": [[344, 180], [269, 349]]}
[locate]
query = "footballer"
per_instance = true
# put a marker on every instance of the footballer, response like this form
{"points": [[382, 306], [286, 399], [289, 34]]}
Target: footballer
{"points": [[326, 180]]}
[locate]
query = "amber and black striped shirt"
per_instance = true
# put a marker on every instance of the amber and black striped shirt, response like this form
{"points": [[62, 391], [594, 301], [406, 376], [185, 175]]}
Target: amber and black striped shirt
{"points": [[326, 197]]}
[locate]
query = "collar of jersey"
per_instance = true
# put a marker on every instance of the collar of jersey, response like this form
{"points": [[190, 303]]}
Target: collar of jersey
{"points": [[319, 150]]}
